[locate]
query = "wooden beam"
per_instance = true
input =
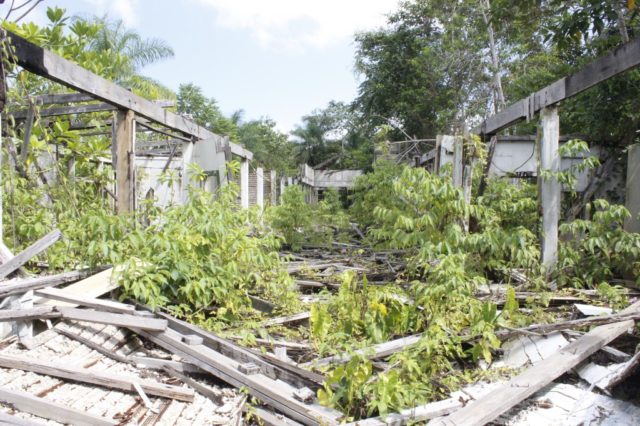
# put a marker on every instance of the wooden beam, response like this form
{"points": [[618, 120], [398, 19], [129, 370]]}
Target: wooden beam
{"points": [[277, 394], [97, 304], [94, 286], [380, 350], [47, 64], [65, 110], [40, 407], [42, 312], [119, 320], [487, 408], [8, 419], [33, 250], [124, 142], [615, 62], [100, 378], [20, 285], [549, 188], [62, 98], [301, 317]]}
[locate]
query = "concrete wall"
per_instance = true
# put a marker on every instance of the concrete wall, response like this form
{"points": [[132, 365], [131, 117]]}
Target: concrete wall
{"points": [[148, 171], [335, 179]]}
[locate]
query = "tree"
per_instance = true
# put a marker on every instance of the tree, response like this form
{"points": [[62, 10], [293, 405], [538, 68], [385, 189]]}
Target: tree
{"points": [[204, 111], [270, 147], [336, 136]]}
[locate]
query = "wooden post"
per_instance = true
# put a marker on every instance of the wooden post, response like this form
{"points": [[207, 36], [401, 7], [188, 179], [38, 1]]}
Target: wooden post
{"points": [[244, 183], [125, 139], [633, 189], [274, 188], [260, 187], [549, 188], [458, 160]]}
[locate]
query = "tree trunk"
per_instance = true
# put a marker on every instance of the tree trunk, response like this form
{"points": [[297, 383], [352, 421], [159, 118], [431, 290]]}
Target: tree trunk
{"points": [[499, 102]]}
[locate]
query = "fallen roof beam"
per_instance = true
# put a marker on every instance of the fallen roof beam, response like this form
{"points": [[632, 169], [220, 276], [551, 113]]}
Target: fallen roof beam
{"points": [[380, 350], [99, 378], [277, 394], [47, 64], [118, 320], [488, 408], [33, 250], [97, 304], [615, 62], [20, 285], [40, 407], [94, 286]]}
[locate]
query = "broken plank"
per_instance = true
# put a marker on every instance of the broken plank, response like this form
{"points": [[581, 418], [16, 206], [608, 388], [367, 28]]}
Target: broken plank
{"points": [[119, 320], [8, 419], [277, 343], [488, 408], [94, 286], [302, 316], [159, 364], [289, 374], [213, 394], [40, 407], [567, 325], [20, 285], [275, 393], [45, 312], [95, 377], [97, 304], [381, 350], [27, 254]]}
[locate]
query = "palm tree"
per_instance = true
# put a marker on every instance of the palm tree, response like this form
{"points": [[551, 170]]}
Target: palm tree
{"points": [[137, 51]]}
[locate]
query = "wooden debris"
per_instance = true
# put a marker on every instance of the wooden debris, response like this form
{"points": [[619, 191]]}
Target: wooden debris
{"points": [[20, 285], [40, 407], [381, 350], [198, 387], [486, 409], [301, 317], [33, 250], [192, 339], [304, 394], [8, 419], [94, 286], [95, 377], [120, 320], [44, 312], [248, 368], [97, 304]]}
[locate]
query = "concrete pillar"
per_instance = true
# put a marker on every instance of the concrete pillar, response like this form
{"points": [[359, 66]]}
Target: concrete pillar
{"points": [[244, 183], [549, 189], [633, 189], [289, 181], [260, 187], [274, 188], [282, 185], [187, 155]]}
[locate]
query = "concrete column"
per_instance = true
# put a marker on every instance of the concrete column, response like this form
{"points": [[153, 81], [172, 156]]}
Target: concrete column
{"points": [[187, 155], [282, 186], [260, 187], [244, 183], [289, 181], [549, 189], [633, 189], [274, 188]]}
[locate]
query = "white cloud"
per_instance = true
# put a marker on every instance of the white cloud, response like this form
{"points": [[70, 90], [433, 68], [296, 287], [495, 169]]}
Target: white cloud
{"points": [[118, 9], [298, 23]]}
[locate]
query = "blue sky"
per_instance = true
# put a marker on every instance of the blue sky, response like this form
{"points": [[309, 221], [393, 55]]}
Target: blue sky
{"points": [[276, 58]]}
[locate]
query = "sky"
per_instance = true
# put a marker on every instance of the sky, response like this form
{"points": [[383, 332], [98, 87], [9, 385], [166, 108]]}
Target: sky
{"points": [[271, 58]]}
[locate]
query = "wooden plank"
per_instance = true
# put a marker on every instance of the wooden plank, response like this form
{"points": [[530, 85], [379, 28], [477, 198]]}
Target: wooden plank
{"points": [[549, 188], [277, 394], [615, 62], [43, 312], [381, 350], [119, 320], [295, 376], [95, 286], [97, 304], [47, 64], [62, 98], [198, 387], [40, 407], [486, 409], [65, 110], [125, 142], [301, 317], [91, 344], [33, 250], [20, 285], [99, 378]]}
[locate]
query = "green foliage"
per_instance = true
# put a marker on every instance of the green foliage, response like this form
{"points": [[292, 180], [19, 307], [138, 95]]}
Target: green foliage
{"points": [[270, 147], [594, 251], [204, 111], [299, 222]]}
